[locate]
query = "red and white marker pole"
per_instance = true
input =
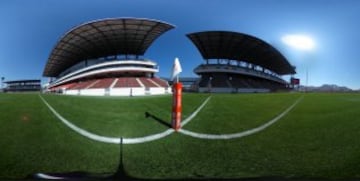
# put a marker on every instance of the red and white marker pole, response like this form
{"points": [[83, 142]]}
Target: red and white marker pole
{"points": [[176, 108], [177, 93]]}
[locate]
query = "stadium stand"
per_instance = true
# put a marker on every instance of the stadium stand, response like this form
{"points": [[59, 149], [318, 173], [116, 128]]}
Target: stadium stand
{"points": [[127, 82], [160, 82], [236, 62], [22, 85], [147, 82], [103, 83], [105, 57]]}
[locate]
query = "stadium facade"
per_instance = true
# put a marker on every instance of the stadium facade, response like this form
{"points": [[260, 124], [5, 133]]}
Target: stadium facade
{"points": [[237, 62], [106, 57]]}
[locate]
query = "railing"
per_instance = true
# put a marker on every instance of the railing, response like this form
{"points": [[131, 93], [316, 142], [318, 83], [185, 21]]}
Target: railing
{"points": [[209, 68], [145, 66]]}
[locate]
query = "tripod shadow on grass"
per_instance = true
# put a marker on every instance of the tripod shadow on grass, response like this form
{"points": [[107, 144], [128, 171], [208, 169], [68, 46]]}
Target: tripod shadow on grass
{"points": [[159, 120]]}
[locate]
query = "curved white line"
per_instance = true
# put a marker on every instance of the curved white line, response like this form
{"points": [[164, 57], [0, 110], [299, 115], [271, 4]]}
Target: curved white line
{"points": [[243, 133], [116, 140], [188, 119], [48, 177]]}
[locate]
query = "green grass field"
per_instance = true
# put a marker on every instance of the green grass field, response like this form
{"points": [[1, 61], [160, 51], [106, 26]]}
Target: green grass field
{"points": [[318, 138]]}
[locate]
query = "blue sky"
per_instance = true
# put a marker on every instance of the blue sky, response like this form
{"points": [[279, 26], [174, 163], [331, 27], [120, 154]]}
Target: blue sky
{"points": [[30, 29]]}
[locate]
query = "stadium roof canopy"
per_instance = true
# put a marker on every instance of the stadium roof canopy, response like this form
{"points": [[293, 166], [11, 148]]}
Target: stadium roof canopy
{"points": [[240, 47], [101, 38]]}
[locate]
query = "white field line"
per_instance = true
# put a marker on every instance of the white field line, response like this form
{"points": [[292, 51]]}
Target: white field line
{"points": [[48, 177], [243, 133], [188, 119], [116, 140]]}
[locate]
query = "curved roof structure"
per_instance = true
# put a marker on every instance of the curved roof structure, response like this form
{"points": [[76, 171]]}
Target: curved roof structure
{"points": [[105, 37], [241, 47]]}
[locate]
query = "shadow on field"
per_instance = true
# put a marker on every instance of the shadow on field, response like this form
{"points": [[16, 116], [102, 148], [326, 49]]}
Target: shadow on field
{"points": [[123, 176], [159, 120]]}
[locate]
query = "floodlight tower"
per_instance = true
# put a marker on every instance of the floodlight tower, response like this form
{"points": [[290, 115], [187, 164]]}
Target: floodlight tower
{"points": [[302, 43], [2, 83]]}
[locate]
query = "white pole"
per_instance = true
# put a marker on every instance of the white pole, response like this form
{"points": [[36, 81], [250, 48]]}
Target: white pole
{"points": [[307, 78]]}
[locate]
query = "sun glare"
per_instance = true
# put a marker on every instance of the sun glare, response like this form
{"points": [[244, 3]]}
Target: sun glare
{"points": [[301, 42]]}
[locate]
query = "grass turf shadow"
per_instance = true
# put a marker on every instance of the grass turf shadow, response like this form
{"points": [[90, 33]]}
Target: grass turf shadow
{"points": [[159, 120]]}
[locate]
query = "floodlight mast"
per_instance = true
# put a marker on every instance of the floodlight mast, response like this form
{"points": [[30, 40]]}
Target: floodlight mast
{"points": [[2, 83], [303, 43]]}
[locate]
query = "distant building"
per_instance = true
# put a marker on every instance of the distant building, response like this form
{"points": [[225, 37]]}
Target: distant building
{"points": [[190, 84], [22, 85]]}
